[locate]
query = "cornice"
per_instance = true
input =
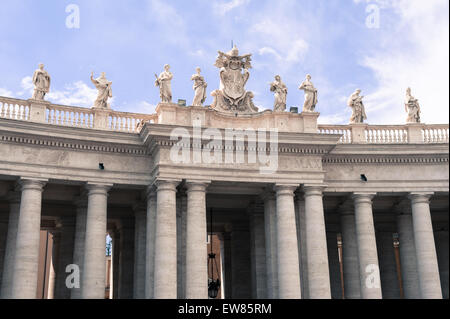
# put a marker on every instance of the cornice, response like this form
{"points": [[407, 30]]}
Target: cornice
{"points": [[386, 159]]}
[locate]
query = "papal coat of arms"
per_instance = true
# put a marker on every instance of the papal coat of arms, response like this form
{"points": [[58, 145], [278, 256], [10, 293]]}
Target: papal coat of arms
{"points": [[234, 74]]}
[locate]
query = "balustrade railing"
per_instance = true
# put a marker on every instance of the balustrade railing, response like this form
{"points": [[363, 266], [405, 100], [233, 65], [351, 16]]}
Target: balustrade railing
{"points": [[29, 110]]}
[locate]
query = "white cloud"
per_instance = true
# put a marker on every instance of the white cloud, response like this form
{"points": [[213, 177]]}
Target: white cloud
{"points": [[415, 54], [5, 92], [27, 87], [76, 94], [223, 8]]}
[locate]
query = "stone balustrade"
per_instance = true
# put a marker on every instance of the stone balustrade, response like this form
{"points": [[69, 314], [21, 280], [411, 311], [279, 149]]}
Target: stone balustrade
{"points": [[45, 112]]}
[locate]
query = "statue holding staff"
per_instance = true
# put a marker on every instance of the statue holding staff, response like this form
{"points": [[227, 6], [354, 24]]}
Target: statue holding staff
{"points": [[104, 91]]}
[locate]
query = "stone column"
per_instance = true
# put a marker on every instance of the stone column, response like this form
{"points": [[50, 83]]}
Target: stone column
{"points": [[196, 250], [26, 258], [352, 285], [288, 262], [441, 237], [259, 271], [270, 228], [140, 234], [388, 265], [94, 270], [150, 242], [165, 273], [334, 266], [369, 269], [228, 265], [126, 263], [240, 261], [301, 234], [316, 244], [116, 263], [56, 239], [181, 243], [10, 249], [80, 236], [427, 265], [66, 249], [3, 238], [407, 250]]}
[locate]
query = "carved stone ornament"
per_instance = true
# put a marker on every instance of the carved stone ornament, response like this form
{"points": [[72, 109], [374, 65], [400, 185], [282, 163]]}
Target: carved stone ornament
{"points": [[234, 74]]}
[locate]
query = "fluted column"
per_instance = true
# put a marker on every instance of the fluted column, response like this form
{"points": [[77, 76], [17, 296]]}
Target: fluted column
{"points": [[427, 265], [94, 270], [316, 244], [150, 242], [140, 233], [80, 236], [352, 285], [196, 250], [26, 258], [407, 250], [270, 228], [10, 249], [288, 261], [369, 269], [165, 278]]}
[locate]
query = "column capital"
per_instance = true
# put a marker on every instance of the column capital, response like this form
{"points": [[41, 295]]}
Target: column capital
{"points": [[32, 183], [167, 184], [285, 189], [313, 190], [420, 197], [98, 188], [197, 185], [363, 197], [150, 191]]}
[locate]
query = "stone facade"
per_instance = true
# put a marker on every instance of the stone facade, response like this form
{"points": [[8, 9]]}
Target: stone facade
{"points": [[87, 172]]}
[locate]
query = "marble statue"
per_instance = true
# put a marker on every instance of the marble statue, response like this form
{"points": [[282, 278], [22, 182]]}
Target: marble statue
{"points": [[41, 81], [310, 94], [412, 107], [234, 74], [164, 83], [104, 91], [199, 88], [356, 103], [281, 91]]}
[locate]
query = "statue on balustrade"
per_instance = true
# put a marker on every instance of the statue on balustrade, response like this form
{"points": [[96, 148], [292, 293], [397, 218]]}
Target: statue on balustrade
{"points": [[104, 91], [234, 74], [281, 91], [200, 86], [310, 94], [41, 81], [412, 107], [164, 83], [356, 103]]}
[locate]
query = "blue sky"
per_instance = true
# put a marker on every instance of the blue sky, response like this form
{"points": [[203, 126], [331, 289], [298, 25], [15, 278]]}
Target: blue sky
{"points": [[132, 40]]}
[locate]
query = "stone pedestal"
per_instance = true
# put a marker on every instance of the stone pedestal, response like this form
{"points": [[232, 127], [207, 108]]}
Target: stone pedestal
{"points": [[25, 274]]}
